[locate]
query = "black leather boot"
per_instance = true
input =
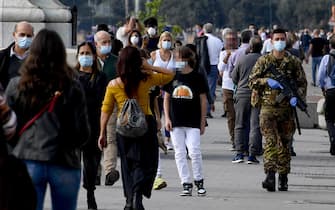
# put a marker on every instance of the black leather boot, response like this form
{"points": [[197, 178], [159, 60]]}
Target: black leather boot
{"points": [[270, 181], [137, 201], [91, 203], [332, 146], [282, 182]]}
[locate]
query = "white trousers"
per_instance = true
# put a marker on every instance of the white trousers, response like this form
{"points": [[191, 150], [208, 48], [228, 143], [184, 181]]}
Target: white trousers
{"points": [[182, 138]]}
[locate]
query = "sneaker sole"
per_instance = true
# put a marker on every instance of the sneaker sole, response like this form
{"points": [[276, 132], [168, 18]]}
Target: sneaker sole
{"points": [[161, 186], [202, 194], [251, 162], [237, 161], [182, 194]]}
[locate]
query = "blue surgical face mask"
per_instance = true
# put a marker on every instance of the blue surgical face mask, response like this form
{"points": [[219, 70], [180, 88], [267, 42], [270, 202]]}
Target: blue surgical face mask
{"points": [[24, 42], [105, 49], [150, 61], [179, 65], [85, 60], [166, 45], [279, 45]]}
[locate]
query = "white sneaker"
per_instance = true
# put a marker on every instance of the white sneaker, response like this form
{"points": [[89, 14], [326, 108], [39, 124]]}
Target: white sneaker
{"points": [[169, 145]]}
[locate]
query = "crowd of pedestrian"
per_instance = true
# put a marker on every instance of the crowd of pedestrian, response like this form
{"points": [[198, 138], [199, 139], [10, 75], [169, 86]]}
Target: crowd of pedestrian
{"points": [[66, 117]]}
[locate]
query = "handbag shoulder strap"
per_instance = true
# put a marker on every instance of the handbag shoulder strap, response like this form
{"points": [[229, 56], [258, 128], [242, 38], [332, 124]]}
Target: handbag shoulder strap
{"points": [[48, 107]]}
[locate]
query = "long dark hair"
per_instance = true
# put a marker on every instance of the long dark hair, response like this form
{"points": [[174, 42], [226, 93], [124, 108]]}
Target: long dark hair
{"points": [[129, 69], [94, 54], [45, 70]]}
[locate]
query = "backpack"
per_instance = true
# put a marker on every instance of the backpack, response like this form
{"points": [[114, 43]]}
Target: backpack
{"points": [[331, 68], [131, 122]]}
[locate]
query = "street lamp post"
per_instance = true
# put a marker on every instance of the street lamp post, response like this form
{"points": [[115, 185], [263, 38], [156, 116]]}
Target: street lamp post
{"points": [[137, 7], [126, 7], [270, 14]]}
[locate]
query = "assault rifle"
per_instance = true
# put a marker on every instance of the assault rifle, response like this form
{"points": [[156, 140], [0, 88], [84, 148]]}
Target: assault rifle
{"points": [[289, 90]]}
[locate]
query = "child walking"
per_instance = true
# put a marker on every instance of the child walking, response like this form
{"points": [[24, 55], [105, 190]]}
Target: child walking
{"points": [[185, 111]]}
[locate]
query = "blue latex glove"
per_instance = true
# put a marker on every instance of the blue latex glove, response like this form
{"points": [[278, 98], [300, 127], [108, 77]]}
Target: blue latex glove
{"points": [[274, 84], [293, 101]]}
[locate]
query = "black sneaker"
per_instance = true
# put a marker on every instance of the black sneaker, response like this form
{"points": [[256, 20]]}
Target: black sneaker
{"points": [[239, 158], [200, 187], [209, 115], [112, 177], [293, 154], [187, 189], [252, 160]]}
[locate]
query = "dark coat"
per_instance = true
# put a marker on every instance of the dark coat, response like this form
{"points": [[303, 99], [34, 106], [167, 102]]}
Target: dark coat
{"points": [[58, 139], [4, 65], [17, 191], [203, 63]]}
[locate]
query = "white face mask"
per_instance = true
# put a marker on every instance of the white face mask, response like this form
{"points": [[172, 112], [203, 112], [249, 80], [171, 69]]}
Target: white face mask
{"points": [[180, 65], [134, 40], [152, 31]]}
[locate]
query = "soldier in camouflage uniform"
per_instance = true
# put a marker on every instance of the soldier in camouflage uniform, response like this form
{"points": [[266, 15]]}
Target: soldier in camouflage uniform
{"points": [[276, 119]]}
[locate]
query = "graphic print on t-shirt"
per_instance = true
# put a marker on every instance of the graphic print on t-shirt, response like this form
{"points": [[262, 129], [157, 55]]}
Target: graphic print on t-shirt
{"points": [[182, 91]]}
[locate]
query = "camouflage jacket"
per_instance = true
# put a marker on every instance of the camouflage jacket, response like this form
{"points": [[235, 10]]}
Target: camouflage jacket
{"points": [[289, 66]]}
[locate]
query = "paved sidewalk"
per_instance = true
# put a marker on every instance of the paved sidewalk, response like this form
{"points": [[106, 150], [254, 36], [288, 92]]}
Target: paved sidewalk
{"points": [[238, 186]]}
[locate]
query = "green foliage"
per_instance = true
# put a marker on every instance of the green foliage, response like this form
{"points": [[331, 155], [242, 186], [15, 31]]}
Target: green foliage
{"points": [[291, 14], [152, 9]]}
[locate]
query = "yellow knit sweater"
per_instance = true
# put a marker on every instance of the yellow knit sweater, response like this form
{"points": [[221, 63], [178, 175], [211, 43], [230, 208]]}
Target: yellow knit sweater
{"points": [[115, 93]]}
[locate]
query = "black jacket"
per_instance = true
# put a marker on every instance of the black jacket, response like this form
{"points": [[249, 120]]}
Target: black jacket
{"points": [[94, 87], [203, 62], [61, 136], [4, 65]]}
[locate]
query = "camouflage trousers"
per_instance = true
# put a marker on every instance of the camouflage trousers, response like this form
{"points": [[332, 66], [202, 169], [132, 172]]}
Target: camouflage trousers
{"points": [[277, 127]]}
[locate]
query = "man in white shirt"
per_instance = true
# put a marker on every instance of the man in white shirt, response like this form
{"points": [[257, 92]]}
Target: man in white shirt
{"points": [[214, 46], [230, 43]]}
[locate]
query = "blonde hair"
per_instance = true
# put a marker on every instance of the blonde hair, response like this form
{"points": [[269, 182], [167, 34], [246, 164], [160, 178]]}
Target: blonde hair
{"points": [[164, 34]]}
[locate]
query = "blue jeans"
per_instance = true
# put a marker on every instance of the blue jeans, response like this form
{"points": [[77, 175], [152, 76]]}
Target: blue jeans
{"points": [[315, 65], [64, 184], [212, 78]]}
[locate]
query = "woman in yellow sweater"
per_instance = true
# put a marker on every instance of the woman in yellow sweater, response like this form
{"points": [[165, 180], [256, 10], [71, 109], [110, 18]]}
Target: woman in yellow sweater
{"points": [[139, 157]]}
